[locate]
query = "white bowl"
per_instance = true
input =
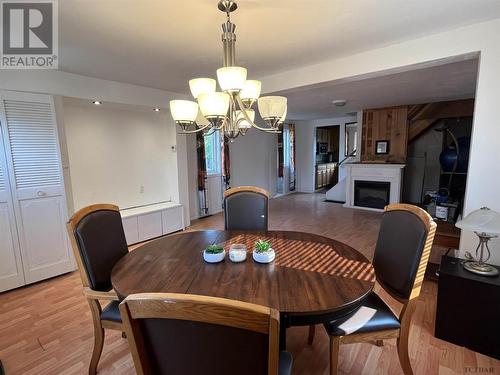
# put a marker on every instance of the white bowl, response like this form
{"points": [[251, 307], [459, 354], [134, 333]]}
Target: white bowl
{"points": [[214, 258], [266, 257]]}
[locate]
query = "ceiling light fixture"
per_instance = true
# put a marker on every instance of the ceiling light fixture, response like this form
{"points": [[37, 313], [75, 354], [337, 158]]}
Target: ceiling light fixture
{"points": [[339, 102], [97, 102], [157, 109], [229, 110]]}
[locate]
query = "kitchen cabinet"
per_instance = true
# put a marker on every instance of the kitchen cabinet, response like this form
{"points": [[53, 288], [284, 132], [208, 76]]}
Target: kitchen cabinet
{"points": [[326, 175]]}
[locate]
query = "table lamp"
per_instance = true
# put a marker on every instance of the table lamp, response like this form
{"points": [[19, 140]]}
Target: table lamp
{"points": [[486, 224]]}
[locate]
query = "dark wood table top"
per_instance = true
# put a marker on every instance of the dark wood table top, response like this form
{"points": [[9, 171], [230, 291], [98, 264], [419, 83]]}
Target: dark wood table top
{"points": [[310, 275]]}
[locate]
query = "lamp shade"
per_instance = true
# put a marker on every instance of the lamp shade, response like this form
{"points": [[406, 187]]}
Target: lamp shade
{"points": [[201, 121], [242, 121], [200, 86], [483, 220], [272, 107], [232, 78], [183, 110], [213, 105], [251, 90]]}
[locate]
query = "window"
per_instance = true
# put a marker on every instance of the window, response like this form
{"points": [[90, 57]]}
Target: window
{"points": [[213, 153]]}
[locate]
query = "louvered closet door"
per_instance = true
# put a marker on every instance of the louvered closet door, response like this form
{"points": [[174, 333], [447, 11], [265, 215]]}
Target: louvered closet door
{"points": [[11, 268], [33, 156]]}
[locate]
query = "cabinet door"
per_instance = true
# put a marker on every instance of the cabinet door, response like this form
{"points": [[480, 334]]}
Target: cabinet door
{"points": [[131, 229], [11, 268], [172, 219], [35, 174], [149, 226]]}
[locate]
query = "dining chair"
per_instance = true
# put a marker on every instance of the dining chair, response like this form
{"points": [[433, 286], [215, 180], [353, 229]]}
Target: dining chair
{"points": [[98, 242], [193, 334], [246, 208], [401, 255]]}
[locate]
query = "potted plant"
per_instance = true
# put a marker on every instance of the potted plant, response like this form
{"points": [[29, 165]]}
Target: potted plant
{"points": [[263, 252], [214, 254]]}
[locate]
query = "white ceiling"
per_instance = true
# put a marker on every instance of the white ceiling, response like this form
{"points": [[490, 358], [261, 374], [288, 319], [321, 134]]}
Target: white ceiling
{"points": [[163, 43], [451, 81]]}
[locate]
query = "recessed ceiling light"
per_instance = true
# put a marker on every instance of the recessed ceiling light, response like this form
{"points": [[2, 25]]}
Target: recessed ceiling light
{"points": [[157, 109], [97, 102], [339, 102]]}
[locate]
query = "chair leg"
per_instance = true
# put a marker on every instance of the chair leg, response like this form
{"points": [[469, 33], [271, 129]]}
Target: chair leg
{"points": [[95, 309], [404, 335], [334, 354], [404, 358], [312, 333], [124, 335]]}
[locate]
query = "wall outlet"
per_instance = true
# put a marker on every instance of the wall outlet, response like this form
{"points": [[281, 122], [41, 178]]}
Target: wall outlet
{"points": [[141, 189]]}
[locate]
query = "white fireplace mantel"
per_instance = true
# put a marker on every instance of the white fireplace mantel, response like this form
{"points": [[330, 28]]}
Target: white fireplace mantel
{"points": [[392, 173]]}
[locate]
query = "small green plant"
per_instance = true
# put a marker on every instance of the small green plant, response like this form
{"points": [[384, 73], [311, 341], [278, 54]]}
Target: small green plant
{"points": [[214, 249], [262, 246]]}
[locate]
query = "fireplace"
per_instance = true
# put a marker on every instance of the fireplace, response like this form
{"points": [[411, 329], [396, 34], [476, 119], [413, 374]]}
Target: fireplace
{"points": [[371, 194]]}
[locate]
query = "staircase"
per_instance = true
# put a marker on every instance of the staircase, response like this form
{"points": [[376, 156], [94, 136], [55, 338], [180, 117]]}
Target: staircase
{"points": [[338, 191]]}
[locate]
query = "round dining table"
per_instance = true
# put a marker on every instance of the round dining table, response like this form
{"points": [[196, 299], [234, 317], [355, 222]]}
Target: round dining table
{"points": [[313, 279]]}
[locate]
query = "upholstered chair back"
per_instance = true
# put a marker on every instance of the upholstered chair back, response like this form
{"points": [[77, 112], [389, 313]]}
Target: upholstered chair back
{"points": [[403, 236], [185, 334], [246, 208], [101, 242]]}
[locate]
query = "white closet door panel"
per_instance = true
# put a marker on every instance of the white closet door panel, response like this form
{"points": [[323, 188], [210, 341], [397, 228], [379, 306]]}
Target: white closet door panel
{"points": [[11, 268], [35, 174], [44, 242], [34, 148]]}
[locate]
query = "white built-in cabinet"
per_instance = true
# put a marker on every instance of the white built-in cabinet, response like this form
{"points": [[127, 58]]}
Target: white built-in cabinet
{"points": [[33, 240], [151, 221]]}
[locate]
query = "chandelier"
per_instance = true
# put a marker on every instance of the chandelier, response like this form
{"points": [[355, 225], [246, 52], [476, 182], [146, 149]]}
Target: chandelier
{"points": [[229, 110]]}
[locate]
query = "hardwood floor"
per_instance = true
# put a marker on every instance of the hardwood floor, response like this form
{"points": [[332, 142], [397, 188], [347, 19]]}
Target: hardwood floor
{"points": [[46, 328]]}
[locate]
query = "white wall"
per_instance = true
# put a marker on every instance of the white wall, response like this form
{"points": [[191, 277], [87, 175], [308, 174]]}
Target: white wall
{"points": [[306, 149], [483, 182], [119, 154], [60, 84], [254, 160]]}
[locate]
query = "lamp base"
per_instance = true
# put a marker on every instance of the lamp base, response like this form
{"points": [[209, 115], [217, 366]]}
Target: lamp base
{"points": [[480, 268]]}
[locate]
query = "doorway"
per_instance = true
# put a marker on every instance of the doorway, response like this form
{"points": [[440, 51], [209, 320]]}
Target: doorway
{"points": [[210, 186], [286, 160], [327, 156]]}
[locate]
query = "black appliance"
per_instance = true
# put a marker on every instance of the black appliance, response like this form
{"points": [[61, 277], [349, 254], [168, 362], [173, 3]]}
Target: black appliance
{"points": [[322, 148]]}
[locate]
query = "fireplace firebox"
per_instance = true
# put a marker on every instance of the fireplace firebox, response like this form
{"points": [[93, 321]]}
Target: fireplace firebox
{"points": [[372, 194]]}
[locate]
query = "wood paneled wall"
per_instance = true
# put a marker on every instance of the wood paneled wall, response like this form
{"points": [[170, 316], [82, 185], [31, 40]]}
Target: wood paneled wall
{"points": [[385, 124]]}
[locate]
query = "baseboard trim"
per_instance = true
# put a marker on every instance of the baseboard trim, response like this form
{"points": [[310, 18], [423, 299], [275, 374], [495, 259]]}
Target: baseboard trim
{"points": [[332, 201]]}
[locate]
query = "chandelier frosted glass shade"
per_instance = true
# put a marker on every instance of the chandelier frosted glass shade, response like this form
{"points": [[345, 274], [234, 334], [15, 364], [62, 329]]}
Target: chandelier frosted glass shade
{"points": [[251, 90], [242, 121], [184, 111], [232, 78], [200, 86], [214, 105], [201, 121], [272, 107]]}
